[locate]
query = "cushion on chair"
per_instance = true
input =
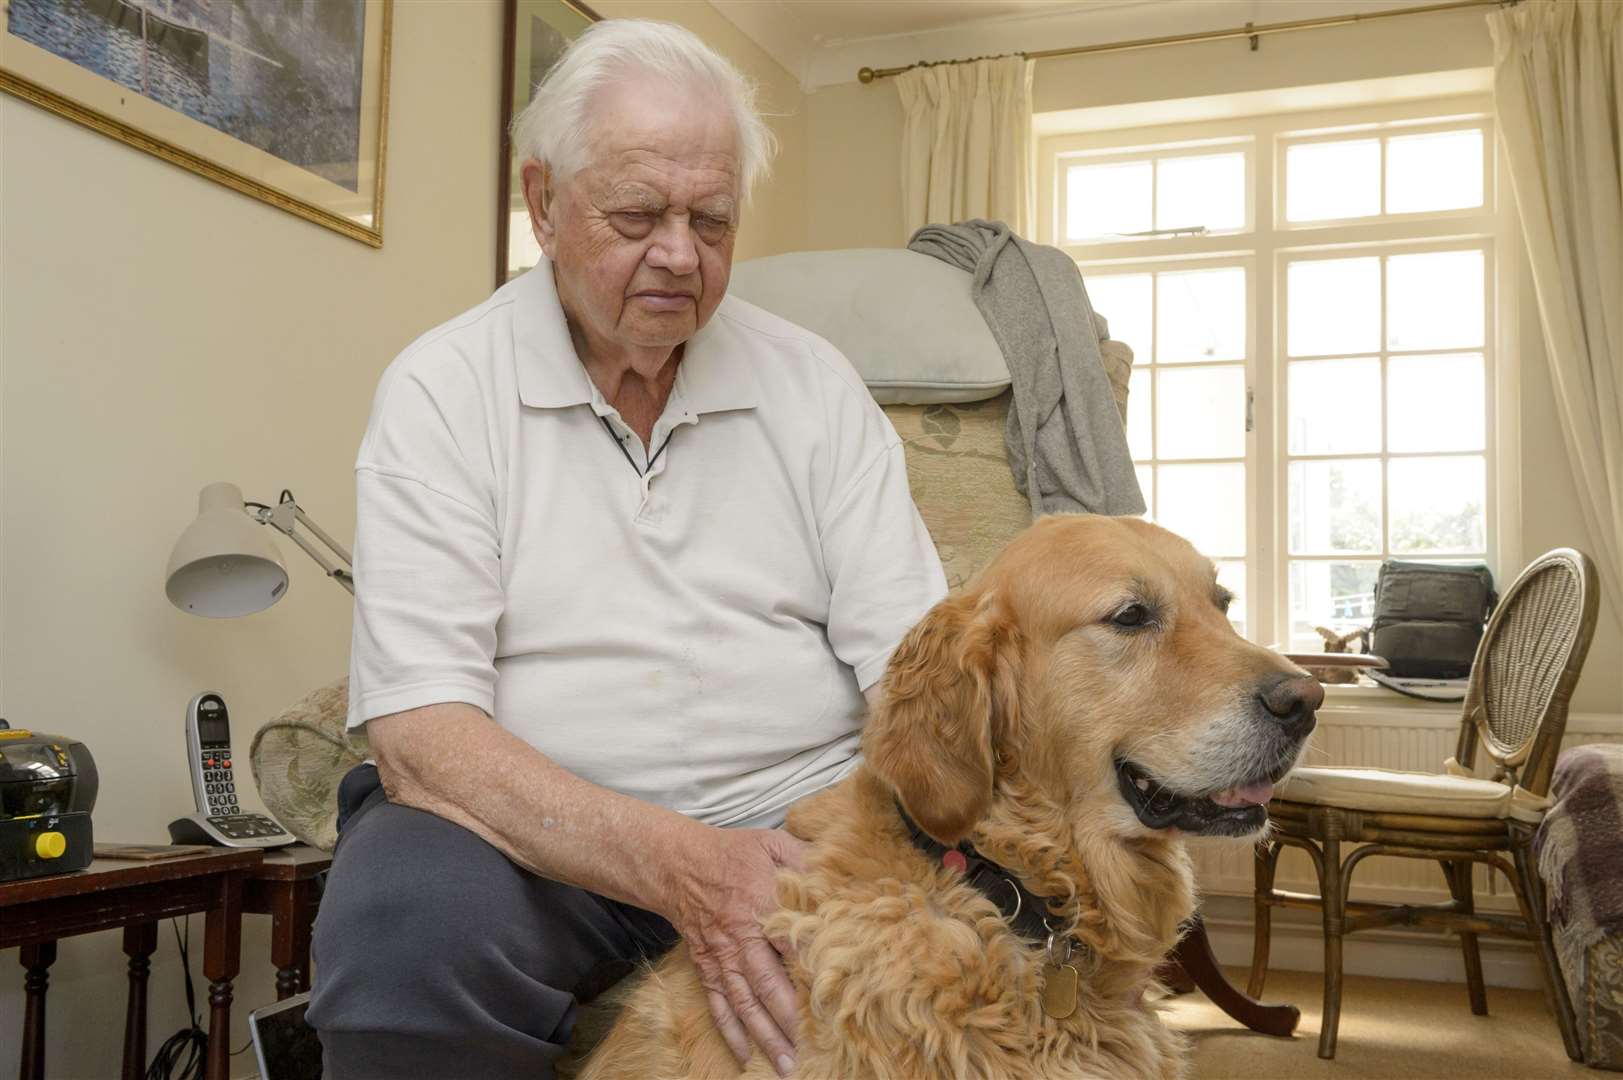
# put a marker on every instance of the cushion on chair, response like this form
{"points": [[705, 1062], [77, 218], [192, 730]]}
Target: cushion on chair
{"points": [[299, 757], [1393, 792], [906, 321]]}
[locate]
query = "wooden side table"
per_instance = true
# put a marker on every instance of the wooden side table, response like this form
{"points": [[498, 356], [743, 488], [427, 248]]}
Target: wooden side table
{"points": [[132, 896], [284, 886]]}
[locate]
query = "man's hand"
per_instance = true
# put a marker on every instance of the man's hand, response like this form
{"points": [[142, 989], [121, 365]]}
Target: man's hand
{"points": [[717, 910]]}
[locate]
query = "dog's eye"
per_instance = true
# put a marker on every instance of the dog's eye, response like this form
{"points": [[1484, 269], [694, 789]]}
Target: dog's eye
{"points": [[1131, 616]]}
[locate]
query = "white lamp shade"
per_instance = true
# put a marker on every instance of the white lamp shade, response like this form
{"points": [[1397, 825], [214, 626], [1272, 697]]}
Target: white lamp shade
{"points": [[224, 565]]}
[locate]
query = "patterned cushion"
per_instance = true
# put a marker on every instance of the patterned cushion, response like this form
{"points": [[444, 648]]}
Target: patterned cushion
{"points": [[958, 468], [298, 759]]}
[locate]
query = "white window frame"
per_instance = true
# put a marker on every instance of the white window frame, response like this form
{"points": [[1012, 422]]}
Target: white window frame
{"points": [[1265, 247]]}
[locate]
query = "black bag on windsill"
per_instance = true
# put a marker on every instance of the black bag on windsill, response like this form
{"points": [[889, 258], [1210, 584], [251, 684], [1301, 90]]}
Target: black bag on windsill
{"points": [[1429, 618]]}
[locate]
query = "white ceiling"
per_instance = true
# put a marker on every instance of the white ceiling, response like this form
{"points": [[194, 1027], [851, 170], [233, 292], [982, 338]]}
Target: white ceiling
{"points": [[829, 22], [824, 42]]}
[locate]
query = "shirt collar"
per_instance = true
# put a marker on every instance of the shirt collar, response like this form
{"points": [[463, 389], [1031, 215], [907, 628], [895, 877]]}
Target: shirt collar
{"points": [[714, 376]]}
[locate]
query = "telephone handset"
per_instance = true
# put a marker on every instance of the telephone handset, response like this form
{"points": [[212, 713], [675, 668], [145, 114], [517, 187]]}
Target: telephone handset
{"points": [[219, 820]]}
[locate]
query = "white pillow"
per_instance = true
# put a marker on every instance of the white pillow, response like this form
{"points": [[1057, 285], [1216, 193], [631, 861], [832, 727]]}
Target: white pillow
{"points": [[905, 320]]}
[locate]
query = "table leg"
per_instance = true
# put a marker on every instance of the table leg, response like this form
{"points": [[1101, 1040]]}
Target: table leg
{"points": [[222, 959], [292, 910], [1194, 954], [36, 960], [140, 939]]}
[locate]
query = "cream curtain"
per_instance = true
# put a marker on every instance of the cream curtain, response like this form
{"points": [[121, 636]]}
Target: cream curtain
{"points": [[966, 143], [1557, 83]]}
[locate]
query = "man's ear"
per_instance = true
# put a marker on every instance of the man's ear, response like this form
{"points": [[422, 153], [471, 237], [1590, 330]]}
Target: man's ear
{"points": [[539, 190], [951, 694]]}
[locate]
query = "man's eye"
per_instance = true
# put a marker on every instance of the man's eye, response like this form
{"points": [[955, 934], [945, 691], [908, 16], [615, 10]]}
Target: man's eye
{"points": [[710, 229], [1132, 616], [634, 221]]}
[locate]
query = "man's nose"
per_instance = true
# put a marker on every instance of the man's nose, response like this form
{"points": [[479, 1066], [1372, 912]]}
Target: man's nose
{"points": [[674, 249], [1292, 698]]}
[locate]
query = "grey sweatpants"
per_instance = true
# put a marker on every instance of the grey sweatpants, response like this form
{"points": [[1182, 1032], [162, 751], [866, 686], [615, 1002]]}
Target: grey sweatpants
{"points": [[437, 957]]}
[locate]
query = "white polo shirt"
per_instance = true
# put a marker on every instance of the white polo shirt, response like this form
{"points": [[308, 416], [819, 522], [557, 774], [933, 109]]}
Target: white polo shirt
{"points": [[698, 636]]}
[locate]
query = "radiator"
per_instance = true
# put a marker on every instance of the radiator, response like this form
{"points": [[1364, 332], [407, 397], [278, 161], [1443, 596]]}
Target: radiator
{"points": [[1387, 736]]}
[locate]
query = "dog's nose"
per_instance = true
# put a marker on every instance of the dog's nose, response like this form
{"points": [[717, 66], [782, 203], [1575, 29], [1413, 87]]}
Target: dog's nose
{"points": [[1293, 698]]}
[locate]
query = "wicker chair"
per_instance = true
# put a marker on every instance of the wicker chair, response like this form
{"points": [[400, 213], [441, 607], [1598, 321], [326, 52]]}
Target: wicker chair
{"points": [[1516, 706]]}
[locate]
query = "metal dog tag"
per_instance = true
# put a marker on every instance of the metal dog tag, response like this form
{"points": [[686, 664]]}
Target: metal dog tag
{"points": [[1059, 990]]}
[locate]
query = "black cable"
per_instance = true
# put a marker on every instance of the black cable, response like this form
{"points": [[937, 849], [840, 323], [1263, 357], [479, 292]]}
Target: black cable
{"points": [[629, 459], [182, 1055]]}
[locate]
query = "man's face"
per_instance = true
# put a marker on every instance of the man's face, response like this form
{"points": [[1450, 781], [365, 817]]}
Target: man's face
{"points": [[641, 238]]}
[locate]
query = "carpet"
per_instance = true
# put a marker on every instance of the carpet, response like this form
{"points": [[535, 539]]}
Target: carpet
{"points": [[1391, 1029]]}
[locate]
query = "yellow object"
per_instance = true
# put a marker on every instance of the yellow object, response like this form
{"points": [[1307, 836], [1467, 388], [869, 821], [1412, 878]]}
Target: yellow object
{"points": [[50, 845]]}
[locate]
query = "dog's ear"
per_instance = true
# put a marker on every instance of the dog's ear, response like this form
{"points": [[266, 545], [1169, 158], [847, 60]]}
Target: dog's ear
{"points": [[951, 697]]}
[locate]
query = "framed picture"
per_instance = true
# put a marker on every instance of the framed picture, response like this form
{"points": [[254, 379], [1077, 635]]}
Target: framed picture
{"points": [[534, 35], [282, 100]]}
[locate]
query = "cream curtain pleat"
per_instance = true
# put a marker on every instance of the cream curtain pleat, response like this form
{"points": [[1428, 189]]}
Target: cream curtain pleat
{"points": [[966, 143], [1558, 81]]}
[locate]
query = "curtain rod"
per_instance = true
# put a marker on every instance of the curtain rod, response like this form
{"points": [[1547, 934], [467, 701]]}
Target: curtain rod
{"points": [[868, 74]]}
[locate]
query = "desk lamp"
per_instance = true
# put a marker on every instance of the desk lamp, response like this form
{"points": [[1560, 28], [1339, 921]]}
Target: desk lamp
{"points": [[222, 566]]}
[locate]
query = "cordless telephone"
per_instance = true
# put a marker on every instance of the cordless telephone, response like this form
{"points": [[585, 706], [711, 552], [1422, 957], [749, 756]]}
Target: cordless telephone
{"points": [[219, 820]]}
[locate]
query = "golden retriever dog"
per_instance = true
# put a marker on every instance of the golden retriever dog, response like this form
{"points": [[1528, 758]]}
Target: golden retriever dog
{"points": [[1062, 723]]}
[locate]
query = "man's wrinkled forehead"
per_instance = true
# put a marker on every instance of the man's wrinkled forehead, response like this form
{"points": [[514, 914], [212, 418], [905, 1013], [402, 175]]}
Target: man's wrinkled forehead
{"points": [[644, 128]]}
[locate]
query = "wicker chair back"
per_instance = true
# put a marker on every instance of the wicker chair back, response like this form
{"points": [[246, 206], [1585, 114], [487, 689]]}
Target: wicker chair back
{"points": [[1527, 666]]}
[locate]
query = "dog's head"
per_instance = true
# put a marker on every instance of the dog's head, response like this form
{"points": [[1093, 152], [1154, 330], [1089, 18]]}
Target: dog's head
{"points": [[1093, 662]]}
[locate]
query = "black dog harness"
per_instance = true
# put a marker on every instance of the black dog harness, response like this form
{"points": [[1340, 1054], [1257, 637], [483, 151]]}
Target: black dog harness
{"points": [[1024, 911]]}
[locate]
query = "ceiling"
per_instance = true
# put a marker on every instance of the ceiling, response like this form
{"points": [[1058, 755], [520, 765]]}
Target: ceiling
{"points": [[835, 21], [825, 42]]}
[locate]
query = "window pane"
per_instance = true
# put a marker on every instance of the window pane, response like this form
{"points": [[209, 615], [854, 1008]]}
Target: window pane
{"points": [[1335, 406], [1200, 315], [1205, 504], [1231, 575], [1101, 200], [1437, 504], [1146, 485], [1202, 412], [1124, 301], [1335, 506], [1207, 191], [1332, 180], [1434, 300], [1139, 443], [1335, 306], [1336, 595], [1435, 402], [1439, 171]]}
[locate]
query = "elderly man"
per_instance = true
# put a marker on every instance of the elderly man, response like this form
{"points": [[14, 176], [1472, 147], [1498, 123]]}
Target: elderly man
{"points": [[628, 556]]}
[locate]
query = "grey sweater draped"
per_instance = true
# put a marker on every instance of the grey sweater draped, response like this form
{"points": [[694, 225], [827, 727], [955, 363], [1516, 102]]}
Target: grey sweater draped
{"points": [[1067, 447]]}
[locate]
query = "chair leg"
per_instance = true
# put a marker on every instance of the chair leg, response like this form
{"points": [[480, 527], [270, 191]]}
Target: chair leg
{"points": [[1267, 860], [1334, 919], [1458, 874], [1530, 891]]}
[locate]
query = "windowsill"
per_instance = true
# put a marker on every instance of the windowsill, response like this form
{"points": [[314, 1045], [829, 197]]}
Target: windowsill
{"points": [[1360, 698]]}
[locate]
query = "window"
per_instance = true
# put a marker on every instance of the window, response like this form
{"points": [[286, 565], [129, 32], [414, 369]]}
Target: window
{"points": [[1310, 303]]}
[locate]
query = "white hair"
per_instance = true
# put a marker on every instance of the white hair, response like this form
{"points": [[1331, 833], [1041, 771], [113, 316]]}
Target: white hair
{"points": [[556, 125]]}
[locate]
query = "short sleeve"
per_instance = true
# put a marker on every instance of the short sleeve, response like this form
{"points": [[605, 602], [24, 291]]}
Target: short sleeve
{"points": [[882, 566], [428, 586]]}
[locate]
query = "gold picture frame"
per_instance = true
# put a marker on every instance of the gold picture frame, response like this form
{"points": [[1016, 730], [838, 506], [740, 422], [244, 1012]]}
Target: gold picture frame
{"points": [[265, 99], [534, 34]]}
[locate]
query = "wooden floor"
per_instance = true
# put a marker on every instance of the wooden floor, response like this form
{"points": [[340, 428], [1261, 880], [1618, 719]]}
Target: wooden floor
{"points": [[1390, 1028]]}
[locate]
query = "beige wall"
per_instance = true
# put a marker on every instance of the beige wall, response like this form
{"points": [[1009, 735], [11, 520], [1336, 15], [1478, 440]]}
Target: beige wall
{"points": [[854, 200], [158, 332]]}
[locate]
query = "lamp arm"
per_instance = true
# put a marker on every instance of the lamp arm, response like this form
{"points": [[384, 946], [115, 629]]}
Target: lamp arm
{"points": [[286, 516]]}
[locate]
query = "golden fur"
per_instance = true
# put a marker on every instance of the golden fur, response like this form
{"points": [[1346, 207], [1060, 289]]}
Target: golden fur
{"points": [[1002, 714]]}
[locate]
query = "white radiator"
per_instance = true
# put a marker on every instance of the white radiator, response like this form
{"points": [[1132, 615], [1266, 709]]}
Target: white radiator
{"points": [[1383, 735]]}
